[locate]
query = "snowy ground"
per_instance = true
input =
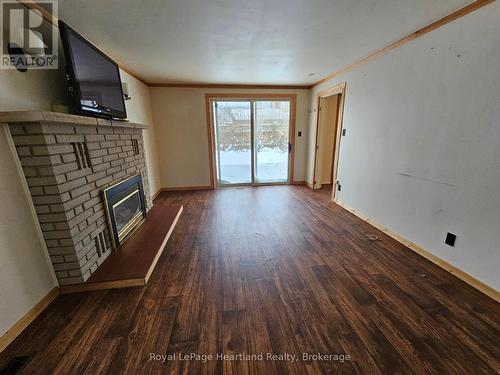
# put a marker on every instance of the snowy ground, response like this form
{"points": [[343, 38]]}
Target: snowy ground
{"points": [[272, 165]]}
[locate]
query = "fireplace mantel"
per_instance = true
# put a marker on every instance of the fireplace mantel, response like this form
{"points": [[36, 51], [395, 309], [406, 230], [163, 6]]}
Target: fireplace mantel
{"points": [[68, 161], [62, 118]]}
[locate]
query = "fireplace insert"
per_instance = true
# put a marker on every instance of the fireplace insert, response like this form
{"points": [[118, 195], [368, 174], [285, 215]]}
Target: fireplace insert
{"points": [[125, 207]]}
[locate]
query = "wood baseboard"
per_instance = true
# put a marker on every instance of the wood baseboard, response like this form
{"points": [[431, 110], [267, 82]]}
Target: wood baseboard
{"points": [[25, 321], [479, 285], [309, 184], [298, 183], [153, 197], [186, 188]]}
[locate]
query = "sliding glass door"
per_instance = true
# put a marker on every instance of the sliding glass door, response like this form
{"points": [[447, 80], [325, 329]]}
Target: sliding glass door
{"points": [[252, 141], [233, 142], [272, 134]]}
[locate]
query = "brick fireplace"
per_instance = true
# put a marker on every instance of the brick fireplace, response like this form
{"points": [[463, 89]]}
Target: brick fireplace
{"points": [[68, 162]]}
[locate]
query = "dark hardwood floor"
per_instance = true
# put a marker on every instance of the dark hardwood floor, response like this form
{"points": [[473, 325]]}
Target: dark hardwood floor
{"points": [[271, 270]]}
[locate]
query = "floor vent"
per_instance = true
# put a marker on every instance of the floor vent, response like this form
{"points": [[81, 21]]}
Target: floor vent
{"points": [[82, 154]]}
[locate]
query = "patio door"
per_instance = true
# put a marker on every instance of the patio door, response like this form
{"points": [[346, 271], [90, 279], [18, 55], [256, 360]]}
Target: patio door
{"points": [[252, 141]]}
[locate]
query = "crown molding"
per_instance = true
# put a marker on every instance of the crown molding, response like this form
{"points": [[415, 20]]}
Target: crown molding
{"points": [[230, 86], [459, 13], [32, 5], [415, 35]]}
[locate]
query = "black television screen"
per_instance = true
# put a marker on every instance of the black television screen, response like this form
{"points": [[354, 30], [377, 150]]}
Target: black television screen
{"points": [[94, 78]]}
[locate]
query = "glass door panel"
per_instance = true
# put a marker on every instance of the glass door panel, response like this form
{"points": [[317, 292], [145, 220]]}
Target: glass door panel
{"points": [[272, 135], [233, 142]]}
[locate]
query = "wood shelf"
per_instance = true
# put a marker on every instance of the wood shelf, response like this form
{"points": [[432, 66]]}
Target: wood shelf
{"points": [[63, 118], [133, 263]]}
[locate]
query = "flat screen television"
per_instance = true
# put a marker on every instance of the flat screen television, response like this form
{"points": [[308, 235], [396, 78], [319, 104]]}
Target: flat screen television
{"points": [[94, 79]]}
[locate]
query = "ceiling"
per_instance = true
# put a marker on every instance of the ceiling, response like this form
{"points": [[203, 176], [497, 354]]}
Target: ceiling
{"points": [[246, 42]]}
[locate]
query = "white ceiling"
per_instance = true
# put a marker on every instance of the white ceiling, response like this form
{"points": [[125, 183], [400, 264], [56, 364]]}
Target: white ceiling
{"points": [[239, 42]]}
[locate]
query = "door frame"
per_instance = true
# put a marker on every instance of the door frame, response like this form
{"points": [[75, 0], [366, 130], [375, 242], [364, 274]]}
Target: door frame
{"points": [[340, 90], [211, 97]]}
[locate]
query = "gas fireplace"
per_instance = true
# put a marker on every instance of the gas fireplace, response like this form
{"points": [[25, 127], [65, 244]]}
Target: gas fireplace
{"points": [[125, 208]]}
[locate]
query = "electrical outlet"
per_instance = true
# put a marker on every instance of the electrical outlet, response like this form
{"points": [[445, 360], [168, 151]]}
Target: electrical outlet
{"points": [[300, 133], [339, 187], [450, 239], [344, 131]]}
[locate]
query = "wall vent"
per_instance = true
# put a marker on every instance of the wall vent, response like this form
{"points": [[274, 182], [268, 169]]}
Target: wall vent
{"points": [[100, 244], [82, 154], [135, 145]]}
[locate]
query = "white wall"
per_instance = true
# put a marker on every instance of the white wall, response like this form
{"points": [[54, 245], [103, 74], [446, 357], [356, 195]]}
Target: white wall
{"points": [[422, 151], [37, 90], [181, 127], [139, 110], [24, 274], [25, 277]]}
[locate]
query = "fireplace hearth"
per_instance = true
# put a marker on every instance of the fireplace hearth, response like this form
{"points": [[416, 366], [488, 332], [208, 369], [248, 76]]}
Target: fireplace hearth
{"points": [[68, 161]]}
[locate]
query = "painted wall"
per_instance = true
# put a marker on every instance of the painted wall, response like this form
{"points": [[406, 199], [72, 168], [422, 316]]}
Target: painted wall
{"points": [[326, 138], [179, 115], [422, 154], [24, 274], [37, 90], [139, 110]]}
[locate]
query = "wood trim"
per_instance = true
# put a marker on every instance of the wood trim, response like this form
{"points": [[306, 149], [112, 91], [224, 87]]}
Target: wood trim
{"points": [[115, 284], [334, 90], [211, 140], [32, 5], [316, 137], [25, 321], [154, 195], [230, 86], [333, 170], [252, 143], [162, 247], [338, 140], [416, 34], [477, 4], [293, 119], [209, 97], [479, 285], [298, 183], [340, 90], [250, 96], [186, 188]]}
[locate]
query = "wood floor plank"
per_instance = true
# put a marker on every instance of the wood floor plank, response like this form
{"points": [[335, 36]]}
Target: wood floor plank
{"points": [[276, 270]]}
